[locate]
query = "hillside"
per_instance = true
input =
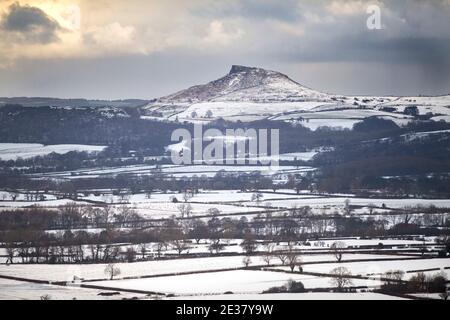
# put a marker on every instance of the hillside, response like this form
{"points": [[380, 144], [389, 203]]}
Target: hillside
{"points": [[248, 94]]}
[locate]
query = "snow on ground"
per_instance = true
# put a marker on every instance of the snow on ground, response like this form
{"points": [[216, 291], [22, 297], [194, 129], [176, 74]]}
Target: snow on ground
{"points": [[436, 104], [339, 201], [292, 156], [344, 118], [22, 196], [230, 109], [355, 114], [314, 124], [19, 290], [378, 267], [441, 118], [294, 296], [205, 196], [172, 170], [44, 204], [371, 242], [226, 201], [66, 272], [96, 271], [168, 209], [280, 199], [239, 281], [303, 156], [434, 296], [236, 196], [419, 135], [401, 122], [12, 151]]}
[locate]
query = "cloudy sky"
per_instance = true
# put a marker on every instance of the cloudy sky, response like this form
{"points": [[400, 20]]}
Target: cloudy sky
{"points": [[116, 49]]}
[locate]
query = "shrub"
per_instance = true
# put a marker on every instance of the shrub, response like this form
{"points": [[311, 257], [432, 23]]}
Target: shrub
{"points": [[295, 286], [291, 287], [276, 290]]}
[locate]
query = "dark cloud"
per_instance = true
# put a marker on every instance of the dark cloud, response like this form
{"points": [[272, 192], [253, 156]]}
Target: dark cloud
{"points": [[29, 24], [414, 33]]}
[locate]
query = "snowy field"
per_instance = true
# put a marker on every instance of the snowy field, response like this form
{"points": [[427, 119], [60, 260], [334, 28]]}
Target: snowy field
{"points": [[53, 272], [50, 204], [20, 290], [157, 210], [174, 170], [340, 202], [23, 196], [238, 109], [13, 151], [294, 296], [316, 252], [233, 202], [331, 111], [240, 281], [376, 268], [314, 124], [96, 271], [344, 119]]}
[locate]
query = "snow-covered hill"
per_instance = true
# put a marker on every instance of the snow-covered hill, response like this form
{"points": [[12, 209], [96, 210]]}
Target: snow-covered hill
{"points": [[247, 84], [248, 94]]}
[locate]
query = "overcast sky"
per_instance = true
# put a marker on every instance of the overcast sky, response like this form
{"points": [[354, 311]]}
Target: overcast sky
{"points": [[113, 49]]}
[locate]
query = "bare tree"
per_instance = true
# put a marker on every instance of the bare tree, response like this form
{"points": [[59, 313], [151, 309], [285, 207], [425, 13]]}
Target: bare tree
{"points": [[105, 215], [337, 248], [282, 255], [180, 245], [393, 276], [112, 271], [246, 261], [24, 252], [347, 207], [124, 197], [198, 230], [13, 196], [268, 254], [110, 252], [341, 278], [187, 194], [293, 258], [371, 208], [419, 282], [159, 248], [130, 254], [216, 246], [256, 197], [185, 210], [10, 251], [143, 250], [249, 244], [95, 251]]}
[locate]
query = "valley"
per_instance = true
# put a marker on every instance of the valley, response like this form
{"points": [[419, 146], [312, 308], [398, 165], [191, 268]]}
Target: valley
{"points": [[92, 205]]}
